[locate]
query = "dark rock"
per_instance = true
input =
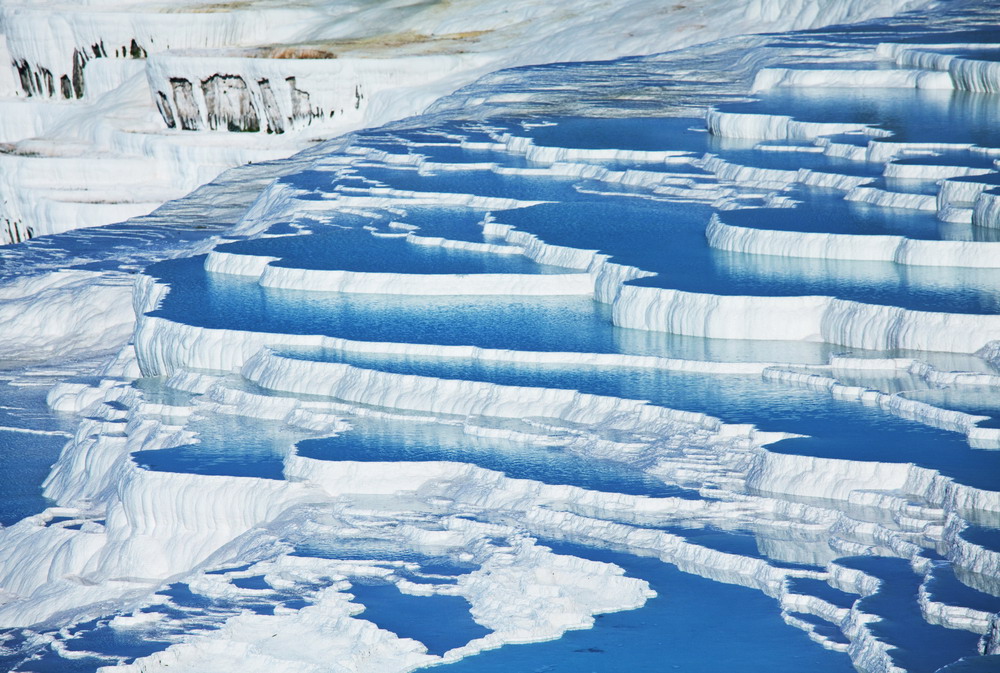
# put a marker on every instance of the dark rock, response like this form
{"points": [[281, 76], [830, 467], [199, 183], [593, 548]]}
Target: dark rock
{"points": [[272, 113], [185, 105], [229, 104], [163, 105]]}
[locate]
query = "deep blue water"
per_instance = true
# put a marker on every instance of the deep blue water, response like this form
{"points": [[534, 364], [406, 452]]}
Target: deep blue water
{"points": [[917, 646], [944, 587], [948, 158], [691, 625], [741, 542], [106, 640], [440, 622], [821, 589], [574, 324], [988, 538], [624, 133], [26, 458]]}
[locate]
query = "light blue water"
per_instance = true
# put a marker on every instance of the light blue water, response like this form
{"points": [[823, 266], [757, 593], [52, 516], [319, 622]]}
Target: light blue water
{"points": [[533, 323], [441, 623], [452, 222], [220, 301], [215, 300], [228, 446], [731, 541], [526, 323], [662, 133], [395, 441], [913, 115], [530, 323], [670, 241], [155, 391], [684, 134], [457, 224], [987, 179], [96, 644], [360, 251], [790, 161], [478, 182], [975, 400], [826, 211], [948, 158], [456, 154], [835, 428], [691, 625], [680, 134], [973, 54], [357, 547]]}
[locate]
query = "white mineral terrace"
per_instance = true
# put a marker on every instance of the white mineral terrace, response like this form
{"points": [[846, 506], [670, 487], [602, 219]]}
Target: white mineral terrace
{"points": [[508, 389]]}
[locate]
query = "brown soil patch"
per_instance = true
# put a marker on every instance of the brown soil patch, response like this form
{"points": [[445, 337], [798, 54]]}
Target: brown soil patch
{"points": [[408, 41]]}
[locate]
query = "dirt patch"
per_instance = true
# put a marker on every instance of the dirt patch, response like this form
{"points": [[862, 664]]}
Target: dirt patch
{"points": [[406, 41]]}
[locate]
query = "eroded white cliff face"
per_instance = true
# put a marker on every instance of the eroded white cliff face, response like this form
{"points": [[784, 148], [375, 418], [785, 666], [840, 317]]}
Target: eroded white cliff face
{"points": [[828, 319], [895, 249]]}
